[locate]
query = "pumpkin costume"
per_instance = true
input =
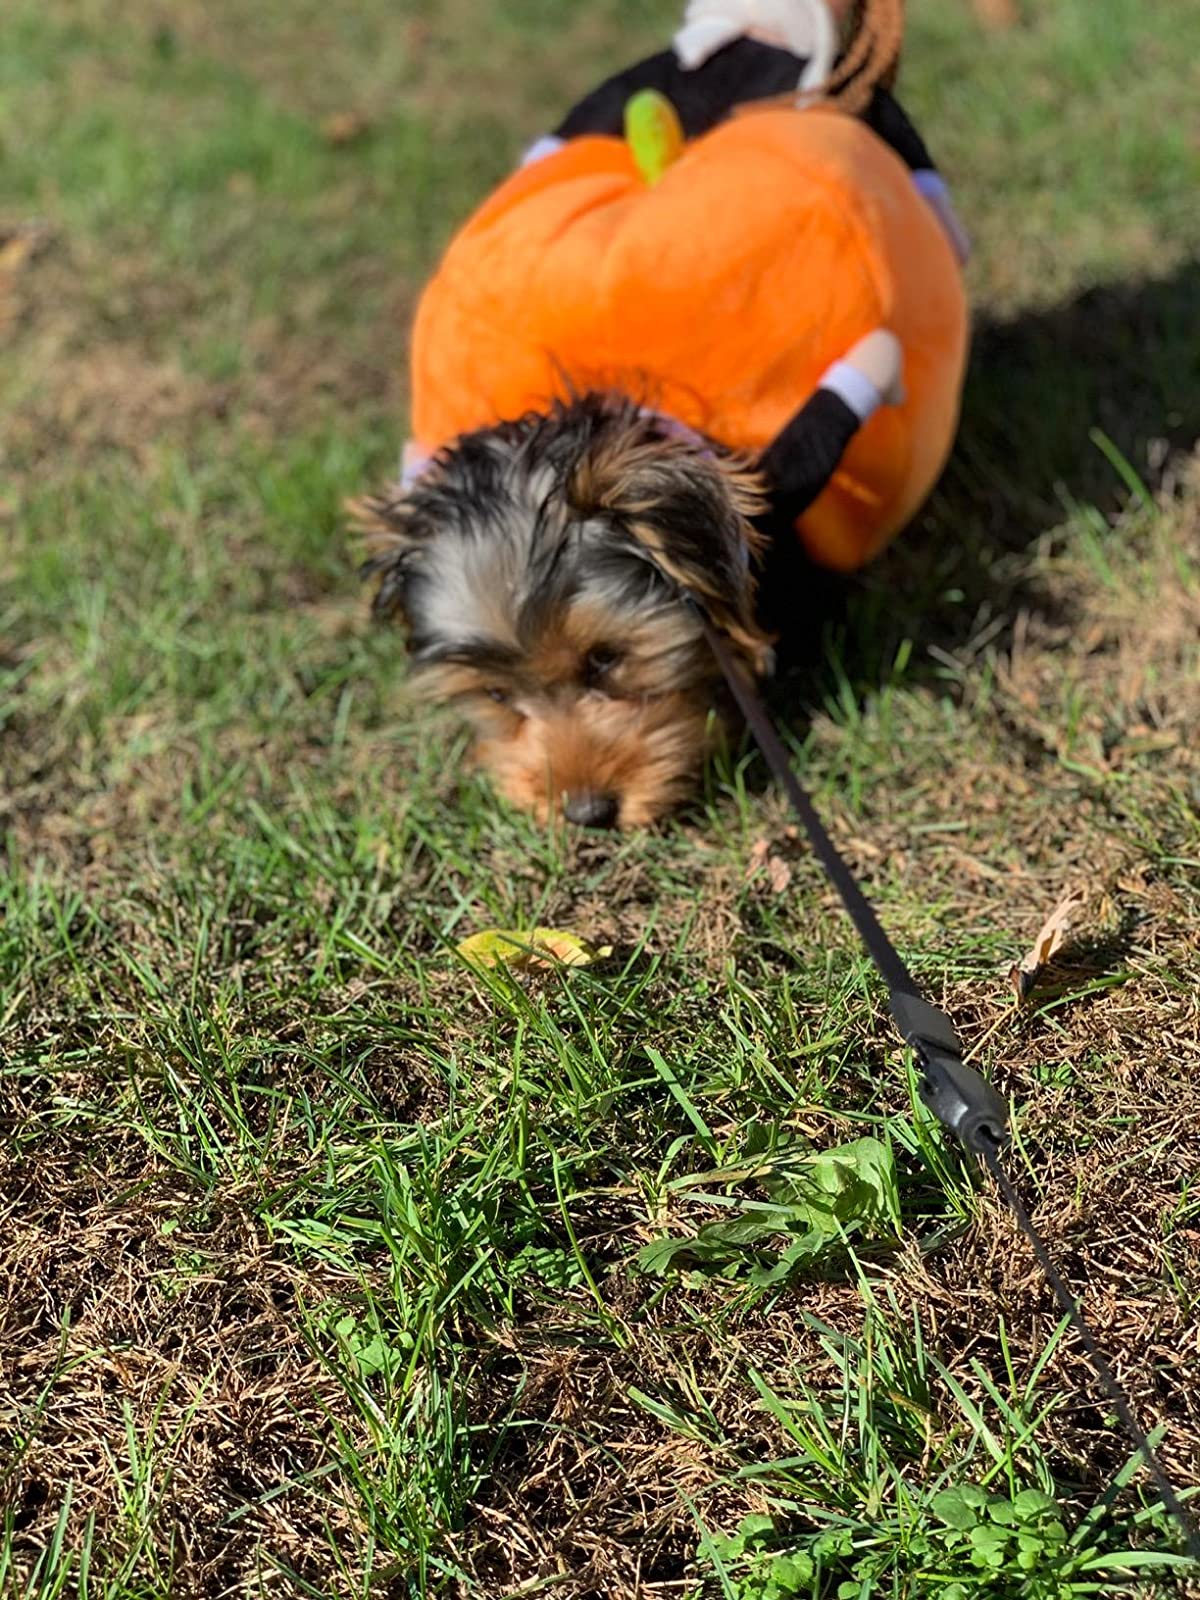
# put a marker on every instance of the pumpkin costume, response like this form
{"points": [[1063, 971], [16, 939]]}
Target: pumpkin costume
{"points": [[724, 295]]}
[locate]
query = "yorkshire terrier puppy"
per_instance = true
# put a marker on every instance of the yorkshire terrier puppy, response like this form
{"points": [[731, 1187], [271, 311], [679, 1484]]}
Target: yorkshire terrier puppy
{"points": [[539, 566], [540, 556]]}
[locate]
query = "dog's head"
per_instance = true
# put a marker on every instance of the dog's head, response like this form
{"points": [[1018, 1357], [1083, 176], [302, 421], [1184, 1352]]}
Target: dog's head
{"points": [[539, 568]]}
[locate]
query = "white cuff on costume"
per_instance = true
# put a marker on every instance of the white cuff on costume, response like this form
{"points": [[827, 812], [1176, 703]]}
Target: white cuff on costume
{"points": [[545, 146], [933, 187], [413, 461], [805, 27], [854, 387]]}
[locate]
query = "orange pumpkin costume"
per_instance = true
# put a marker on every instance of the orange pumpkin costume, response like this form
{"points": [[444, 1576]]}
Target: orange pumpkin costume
{"points": [[719, 296]]}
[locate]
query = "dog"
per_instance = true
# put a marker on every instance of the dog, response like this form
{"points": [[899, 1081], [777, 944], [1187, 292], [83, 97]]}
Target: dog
{"points": [[539, 569], [539, 554]]}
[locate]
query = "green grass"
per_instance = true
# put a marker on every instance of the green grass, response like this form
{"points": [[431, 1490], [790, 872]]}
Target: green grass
{"points": [[330, 1267]]}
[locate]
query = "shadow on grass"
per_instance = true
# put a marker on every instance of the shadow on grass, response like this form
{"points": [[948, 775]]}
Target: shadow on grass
{"points": [[1123, 359], [1083, 969]]}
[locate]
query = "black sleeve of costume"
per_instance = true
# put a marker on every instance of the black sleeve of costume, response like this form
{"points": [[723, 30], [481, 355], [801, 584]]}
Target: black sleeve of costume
{"points": [[802, 458], [795, 595], [886, 117], [738, 74]]}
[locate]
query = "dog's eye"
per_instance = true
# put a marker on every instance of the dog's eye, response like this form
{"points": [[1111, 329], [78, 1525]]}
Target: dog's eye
{"points": [[500, 696], [598, 663]]}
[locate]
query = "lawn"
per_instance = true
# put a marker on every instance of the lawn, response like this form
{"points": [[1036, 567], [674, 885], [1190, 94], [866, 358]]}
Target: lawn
{"points": [[327, 1264]]}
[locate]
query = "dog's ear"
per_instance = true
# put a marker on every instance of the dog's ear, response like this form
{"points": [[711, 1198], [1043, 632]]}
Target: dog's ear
{"points": [[688, 509], [391, 539]]}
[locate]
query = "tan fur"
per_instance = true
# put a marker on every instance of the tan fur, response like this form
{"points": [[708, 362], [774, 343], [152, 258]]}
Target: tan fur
{"points": [[642, 739], [646, 753]]}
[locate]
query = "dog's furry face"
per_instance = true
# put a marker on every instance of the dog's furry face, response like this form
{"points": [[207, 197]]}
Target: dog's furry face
{"points": [[540, 568]]}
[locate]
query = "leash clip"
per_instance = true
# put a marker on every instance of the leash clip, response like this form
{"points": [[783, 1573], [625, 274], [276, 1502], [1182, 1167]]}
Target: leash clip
{"points": [[960, 1098]]}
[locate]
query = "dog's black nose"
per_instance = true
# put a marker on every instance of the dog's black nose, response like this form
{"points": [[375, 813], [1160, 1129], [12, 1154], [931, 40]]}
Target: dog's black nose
{"points": [[591, 808]]}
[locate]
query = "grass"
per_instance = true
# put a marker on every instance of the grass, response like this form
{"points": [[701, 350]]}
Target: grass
{"points": [[328, 1266]]}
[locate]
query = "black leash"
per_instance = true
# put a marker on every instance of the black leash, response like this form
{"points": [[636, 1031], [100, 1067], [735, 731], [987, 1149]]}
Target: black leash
{"points": [[959, 1097]]}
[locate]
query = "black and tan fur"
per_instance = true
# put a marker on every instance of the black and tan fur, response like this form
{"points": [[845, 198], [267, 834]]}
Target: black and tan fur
{"points": [[538, 568]]}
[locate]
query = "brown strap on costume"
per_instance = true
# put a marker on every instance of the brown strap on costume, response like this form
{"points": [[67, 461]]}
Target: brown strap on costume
{"points": [[872, 55], [870, 60]]}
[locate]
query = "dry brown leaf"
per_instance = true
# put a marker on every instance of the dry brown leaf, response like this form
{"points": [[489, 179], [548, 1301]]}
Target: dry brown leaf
{"points": [[20, 244], [14, 252], [779, 874], [1049, 941], [997, 15], [864, 847], [344, 127], [417, 37], [759, 851]]}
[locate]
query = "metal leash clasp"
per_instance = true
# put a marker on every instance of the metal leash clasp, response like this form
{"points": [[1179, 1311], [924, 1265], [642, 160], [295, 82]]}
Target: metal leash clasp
{"points": [[960, 1098]]}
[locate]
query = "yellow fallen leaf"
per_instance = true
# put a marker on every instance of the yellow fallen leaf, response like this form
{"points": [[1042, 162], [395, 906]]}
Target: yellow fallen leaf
{"points": [[535, 947]]}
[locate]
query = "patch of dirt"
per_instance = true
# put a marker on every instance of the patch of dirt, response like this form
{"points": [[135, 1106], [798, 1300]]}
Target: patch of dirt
{"points": [[418, 61], [21, 244], [115, 399], [153, 1354], [1128, 650], [89, 384], [98, 380]]}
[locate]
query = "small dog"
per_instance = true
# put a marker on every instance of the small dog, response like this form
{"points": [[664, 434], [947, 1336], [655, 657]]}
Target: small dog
{"points": [[540, 566], [539, 561]]}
